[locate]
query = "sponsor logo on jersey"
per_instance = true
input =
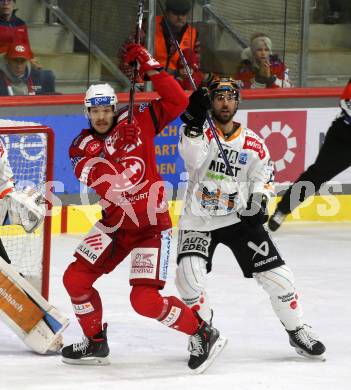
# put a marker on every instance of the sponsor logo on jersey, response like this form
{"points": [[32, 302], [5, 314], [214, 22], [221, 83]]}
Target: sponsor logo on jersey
{"points": [[254, 144], [243, 158], [144, 263], [93, 245], [219, 166], [133, 174], [143, 107], [83, 308], [93, 148], [94, 241], [215, 200], [172, 316], [85, 141]]}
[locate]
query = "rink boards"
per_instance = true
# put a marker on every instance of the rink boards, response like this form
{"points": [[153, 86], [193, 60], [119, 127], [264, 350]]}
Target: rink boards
{"points": [[293, 123], [336, 208]]}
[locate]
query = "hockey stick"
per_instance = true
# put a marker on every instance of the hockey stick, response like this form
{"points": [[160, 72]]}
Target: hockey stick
{"points": [[139, 23], [208, 116]]}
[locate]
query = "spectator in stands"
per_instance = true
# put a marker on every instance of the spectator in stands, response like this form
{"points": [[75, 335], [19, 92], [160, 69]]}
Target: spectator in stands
{"points": [[165, 50], [12, 28], [17, 76], [260, 68]]}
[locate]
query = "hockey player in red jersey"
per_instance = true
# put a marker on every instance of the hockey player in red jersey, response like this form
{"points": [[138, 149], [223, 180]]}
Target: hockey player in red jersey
{"points": [[220, 209], [333, 158], [117, 159]]}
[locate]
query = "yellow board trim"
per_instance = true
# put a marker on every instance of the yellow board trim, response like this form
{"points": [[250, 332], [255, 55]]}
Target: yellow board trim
{"points": [[331, 208]]}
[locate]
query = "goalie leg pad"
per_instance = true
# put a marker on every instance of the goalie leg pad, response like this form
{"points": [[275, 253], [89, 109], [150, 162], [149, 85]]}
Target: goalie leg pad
{"points": [[190, 280], [16, 304], [279, 285], [28, 314]]}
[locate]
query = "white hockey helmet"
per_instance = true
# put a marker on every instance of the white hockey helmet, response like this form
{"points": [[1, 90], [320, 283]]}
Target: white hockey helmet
{"points": [[100, 95]]}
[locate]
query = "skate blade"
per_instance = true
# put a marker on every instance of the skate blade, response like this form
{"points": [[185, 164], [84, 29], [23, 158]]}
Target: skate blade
{"points": [[303, 353], [217, 348], [92, 361]]}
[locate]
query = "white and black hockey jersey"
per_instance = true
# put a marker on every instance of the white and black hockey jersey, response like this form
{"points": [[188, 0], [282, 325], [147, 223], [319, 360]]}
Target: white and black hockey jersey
{"points": [[213, 196]]}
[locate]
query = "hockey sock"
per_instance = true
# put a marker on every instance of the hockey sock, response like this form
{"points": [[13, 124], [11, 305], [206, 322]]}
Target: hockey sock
{"points": [[87, 306], [88, 311], [171, 311]]}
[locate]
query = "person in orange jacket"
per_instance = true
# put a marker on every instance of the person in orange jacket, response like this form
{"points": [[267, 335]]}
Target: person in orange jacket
{"points": [[333, 158], [165, 50]]}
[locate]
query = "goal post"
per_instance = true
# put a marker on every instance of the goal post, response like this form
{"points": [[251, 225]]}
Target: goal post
{"points": [[30, 148]]}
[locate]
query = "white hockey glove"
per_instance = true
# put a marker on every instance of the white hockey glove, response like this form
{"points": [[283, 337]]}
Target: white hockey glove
{"points": [[26, 208]]}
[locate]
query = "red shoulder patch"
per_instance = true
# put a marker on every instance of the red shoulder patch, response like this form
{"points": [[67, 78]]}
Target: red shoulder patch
{"points": [[209, 134], [254, 144]]}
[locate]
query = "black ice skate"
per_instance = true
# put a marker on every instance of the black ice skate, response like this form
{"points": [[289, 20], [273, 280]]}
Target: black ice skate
{"points": [[204, 346], [276, 220], [91, 351], [306, 343]]}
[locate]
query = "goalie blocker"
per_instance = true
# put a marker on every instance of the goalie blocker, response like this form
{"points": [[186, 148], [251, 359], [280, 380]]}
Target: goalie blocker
{"points": [[38, 324]]}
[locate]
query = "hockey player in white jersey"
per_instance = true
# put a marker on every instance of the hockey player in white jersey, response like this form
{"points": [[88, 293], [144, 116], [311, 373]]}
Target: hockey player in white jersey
{"points": [[231, 211]]}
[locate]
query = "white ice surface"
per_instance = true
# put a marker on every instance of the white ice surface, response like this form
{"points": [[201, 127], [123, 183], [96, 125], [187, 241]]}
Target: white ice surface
{"points": [[146, 355]]}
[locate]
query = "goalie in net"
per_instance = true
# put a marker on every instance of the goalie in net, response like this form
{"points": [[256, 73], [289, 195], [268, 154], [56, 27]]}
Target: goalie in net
{"points": [[38, 324], [22, 206]]}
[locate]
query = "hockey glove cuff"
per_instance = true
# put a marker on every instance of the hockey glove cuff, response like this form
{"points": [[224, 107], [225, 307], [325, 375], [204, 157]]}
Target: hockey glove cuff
{"points": [[192, 131], [256, 211]]}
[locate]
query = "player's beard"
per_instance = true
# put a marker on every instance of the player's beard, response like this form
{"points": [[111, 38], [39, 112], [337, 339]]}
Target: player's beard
{"points": [[224, 116]]}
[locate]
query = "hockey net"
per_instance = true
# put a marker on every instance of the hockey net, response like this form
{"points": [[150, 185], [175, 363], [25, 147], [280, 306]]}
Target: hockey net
{"points": [[30, 148]]}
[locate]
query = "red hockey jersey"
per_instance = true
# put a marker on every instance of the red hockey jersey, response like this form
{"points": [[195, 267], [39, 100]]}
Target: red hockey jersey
{"points": [[131, 190]]}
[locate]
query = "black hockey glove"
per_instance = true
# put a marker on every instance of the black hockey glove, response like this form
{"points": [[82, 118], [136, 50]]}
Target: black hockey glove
{"points": [[256, 211], [195, 114]]}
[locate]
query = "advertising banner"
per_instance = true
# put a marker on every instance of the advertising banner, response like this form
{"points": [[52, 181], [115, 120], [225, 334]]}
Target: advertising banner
{"points": [[293, 138]]}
